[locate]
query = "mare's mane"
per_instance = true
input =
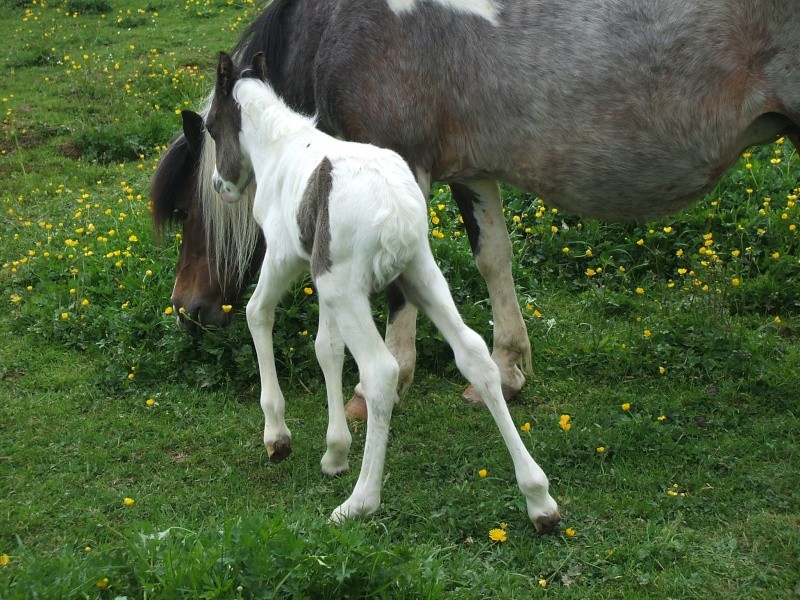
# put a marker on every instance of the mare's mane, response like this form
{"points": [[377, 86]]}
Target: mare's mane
{"points": [[176, 172]]}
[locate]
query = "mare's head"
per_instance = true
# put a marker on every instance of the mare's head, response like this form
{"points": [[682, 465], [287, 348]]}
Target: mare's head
{"points": [[234, 171], [202, 287]]}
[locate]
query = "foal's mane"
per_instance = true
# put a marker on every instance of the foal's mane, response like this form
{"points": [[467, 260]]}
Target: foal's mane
{"points": [[272, 115]]}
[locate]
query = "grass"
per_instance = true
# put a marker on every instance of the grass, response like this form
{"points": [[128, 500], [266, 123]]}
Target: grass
{"points": [[693, 491]]}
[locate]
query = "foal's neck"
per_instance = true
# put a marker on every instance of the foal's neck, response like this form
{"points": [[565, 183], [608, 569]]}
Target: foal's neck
{"points": [[267, 122]]}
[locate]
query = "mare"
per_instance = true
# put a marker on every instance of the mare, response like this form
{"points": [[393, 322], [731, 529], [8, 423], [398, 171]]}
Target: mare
{"points": [[354, 215], [615, 109]]}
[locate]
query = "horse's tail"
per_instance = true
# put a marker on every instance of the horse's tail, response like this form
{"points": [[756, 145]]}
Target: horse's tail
{"points": [[401, 220], [232, 234]]}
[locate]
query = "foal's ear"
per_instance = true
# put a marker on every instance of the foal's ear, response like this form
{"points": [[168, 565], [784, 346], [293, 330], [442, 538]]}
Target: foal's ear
{"points": [[193, 130], [259, 65], [225, 79]]}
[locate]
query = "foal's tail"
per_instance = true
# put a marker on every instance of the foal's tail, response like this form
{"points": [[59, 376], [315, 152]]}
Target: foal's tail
{"points": [[400, 217]]}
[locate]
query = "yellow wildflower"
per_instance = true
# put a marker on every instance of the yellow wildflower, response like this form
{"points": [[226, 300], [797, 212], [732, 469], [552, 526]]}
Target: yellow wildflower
{"points": [[525, 427], [497, 535], [129, 501], [564, 422], [226, 308], [626, 406], [601, 449], [483, 473], [4, 560], [308, 291], [570, 532]]}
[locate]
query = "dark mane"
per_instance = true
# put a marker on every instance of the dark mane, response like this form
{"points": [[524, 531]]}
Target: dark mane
{"points": [[173, 183], [265, 34]]}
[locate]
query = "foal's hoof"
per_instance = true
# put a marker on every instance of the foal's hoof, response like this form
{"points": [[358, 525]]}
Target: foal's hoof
{"points": [[547, 523], [356, 408], [471, 396], [279, 449]]}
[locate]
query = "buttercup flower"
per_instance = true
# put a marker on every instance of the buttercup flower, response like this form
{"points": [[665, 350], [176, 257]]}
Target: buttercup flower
{"points": [[4, 560], [564, 422], [129, 501], [543, 583], [626, 406], [525, 427], [601, 449], [483, 473], [570, 532], [497, 535], [226, 308], [308, 291]]}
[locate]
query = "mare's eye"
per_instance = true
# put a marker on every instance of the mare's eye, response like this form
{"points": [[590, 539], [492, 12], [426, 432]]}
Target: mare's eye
{"points": [[180, 214]]}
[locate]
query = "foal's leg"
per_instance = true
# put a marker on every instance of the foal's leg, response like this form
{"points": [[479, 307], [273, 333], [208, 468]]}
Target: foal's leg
{"points": [[330, 354], [276, 275], [401, 331], [427, 288], [482, 210], [378, 371]]}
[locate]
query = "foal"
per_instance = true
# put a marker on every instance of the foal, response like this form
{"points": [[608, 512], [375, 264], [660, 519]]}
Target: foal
{"points": [[355, 215]]}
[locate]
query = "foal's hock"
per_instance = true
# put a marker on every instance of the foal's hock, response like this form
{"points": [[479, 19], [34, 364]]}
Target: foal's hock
{"points": [[355, 216]]}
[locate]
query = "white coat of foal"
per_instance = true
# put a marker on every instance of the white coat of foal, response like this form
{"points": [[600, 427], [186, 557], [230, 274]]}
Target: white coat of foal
{"points": [[355, 215]]}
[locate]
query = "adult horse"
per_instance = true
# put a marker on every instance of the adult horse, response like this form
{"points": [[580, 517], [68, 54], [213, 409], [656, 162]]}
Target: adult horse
{"points": [[617, 109]]}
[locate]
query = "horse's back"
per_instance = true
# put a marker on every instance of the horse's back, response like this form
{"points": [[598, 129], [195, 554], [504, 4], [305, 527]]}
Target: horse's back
{"points": [[616, 108]]}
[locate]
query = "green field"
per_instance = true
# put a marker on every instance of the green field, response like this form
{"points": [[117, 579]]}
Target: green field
{"points": [[673, 347]]}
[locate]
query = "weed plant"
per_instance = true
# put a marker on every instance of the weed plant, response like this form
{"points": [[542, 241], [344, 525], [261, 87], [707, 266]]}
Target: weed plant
{"points": [[663, 402]]}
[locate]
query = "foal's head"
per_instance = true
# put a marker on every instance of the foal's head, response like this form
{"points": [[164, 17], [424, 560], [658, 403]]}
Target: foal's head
{"points": [[233, 170]]}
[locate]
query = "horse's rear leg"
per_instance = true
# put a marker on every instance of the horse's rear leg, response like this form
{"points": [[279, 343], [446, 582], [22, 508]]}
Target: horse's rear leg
{"points": [[482, 210], [330, 355], [378, 371], [426, 287], [401, 331]]}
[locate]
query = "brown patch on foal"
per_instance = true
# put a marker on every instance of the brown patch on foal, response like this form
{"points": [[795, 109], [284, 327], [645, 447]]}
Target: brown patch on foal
{"points": [[313, 218]]}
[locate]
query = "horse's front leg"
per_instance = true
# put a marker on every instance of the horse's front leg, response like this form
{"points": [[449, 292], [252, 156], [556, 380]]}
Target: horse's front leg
{"points": [[329, 347], [274, 280], [482, 210]]}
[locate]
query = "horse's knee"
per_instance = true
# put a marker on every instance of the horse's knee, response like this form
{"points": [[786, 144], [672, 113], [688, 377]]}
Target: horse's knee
{"points": [[379, 382]]}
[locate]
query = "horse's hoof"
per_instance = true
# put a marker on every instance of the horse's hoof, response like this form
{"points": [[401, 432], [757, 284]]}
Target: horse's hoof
{"points": [[470, 396], [547, 523], [279, 449], [356, 408]]}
